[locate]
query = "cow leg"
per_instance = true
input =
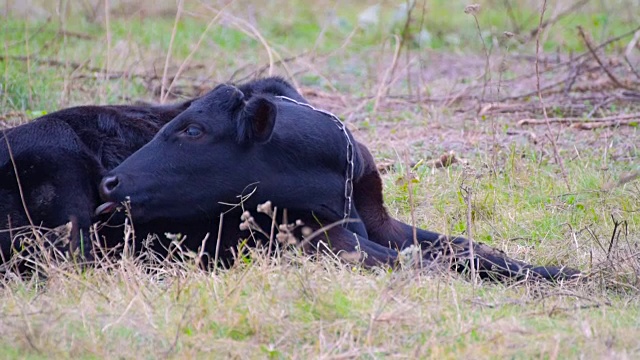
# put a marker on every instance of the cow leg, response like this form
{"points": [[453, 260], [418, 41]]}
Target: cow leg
{"points": [[380, 226], [353, 247], [356, 225], [489, 263]]}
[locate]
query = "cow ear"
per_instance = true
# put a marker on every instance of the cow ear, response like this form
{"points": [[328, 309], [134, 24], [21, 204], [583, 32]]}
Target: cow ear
{"points": [[257, 120]]}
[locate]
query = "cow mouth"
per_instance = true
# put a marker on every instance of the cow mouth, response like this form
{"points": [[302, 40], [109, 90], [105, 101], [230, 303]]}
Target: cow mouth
{"points": [[106, 208]]}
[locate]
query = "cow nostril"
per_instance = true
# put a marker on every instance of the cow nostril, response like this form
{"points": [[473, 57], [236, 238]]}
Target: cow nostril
{"points": [[109, 184]]}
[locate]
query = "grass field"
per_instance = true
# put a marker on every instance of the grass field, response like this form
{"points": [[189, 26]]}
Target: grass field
{"points": [[412, 85]]}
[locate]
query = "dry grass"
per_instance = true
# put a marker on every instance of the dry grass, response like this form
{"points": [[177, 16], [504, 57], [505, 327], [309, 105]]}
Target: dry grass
{"points": [[410, 102]]}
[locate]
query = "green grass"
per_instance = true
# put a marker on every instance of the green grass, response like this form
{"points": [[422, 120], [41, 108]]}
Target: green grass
{"points": [[293, 307]]}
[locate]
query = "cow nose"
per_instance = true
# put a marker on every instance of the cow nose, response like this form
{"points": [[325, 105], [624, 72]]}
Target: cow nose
{"points": [[108, 185]]}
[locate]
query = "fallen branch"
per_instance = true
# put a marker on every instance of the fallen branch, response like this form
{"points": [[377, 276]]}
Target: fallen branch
{"points": [[604, 124], [626, 119]]}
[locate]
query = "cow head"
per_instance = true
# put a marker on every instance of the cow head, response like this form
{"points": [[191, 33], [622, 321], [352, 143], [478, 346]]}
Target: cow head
{"points": [[203, 156]]}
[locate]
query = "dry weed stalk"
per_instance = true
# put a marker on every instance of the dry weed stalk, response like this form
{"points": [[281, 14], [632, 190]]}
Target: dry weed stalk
{"points": [[504, 65], [409, 176], [467, 196], [218, 240], [385, 83], [5, 85], [540, 98], [107, 64], [404, 35], [26, 46], [388, 79], [473, 10], [163, 83], [250, 30], [165, 94]]}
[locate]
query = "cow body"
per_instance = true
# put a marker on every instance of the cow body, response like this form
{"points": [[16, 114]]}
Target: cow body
{"points": [[60, 159]]}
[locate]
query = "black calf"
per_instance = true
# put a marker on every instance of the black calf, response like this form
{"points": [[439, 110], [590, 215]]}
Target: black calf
{"points": [[226, 144], [292, 155]]}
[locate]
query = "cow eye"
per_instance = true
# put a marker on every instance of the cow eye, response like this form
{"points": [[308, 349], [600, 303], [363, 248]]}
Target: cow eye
{"points": [[192, 131]]}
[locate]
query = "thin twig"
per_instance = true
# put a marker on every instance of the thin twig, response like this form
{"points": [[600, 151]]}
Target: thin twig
{"points": [[572, 61], [20, 191], [403, 37], [571, 80], [599, 105], [274, 215], [31, 36], [261, 69], [57, 63]]}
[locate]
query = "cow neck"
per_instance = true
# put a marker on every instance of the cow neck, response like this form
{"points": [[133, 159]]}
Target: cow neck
{"points": [[348, 183]]}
